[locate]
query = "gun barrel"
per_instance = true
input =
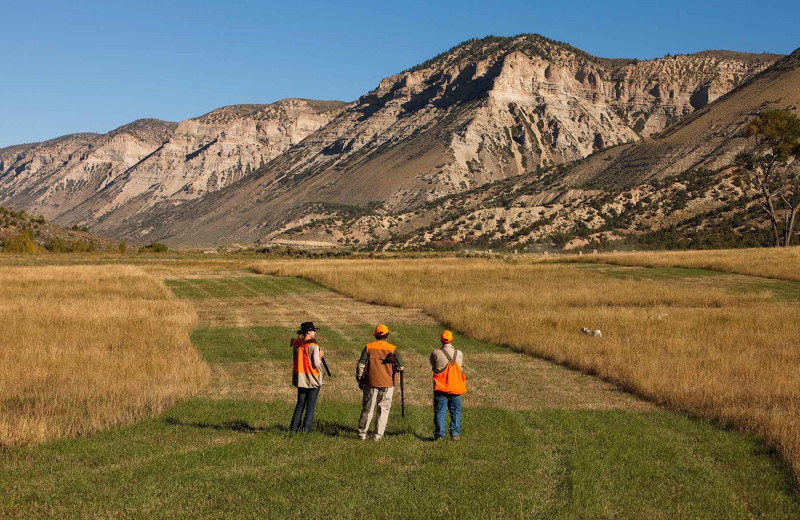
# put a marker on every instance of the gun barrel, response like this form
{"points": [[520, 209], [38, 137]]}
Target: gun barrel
{"points": [[402, 397], [325, 364]]}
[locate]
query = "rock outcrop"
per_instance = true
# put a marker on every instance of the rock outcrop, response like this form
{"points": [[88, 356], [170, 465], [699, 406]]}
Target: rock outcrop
{"points": [[152, 161]]}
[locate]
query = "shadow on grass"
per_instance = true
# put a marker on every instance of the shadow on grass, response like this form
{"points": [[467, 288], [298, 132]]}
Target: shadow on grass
{"points": [[326, 428], [235, 425]]}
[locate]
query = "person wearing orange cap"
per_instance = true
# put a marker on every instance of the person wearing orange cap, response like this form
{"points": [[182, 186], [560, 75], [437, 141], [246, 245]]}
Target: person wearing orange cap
{"points": [[448, 387], [375, 370]]}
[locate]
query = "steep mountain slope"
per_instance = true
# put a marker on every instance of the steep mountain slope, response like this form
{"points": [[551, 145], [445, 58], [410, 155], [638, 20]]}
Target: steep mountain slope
{"points": [[673, 190], [149, 161], [485, 110], [53, 176]]}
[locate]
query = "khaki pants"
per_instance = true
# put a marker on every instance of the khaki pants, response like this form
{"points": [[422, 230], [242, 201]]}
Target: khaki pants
{"points": [[383, 398]]}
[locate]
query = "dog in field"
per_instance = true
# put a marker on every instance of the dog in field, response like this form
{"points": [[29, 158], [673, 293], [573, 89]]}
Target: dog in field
{"points": [[596, 332]]}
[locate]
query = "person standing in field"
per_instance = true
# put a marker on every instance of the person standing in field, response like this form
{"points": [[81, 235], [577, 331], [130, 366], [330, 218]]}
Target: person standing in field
{"points": [[306, 376], [449, 384], [375, 371]]}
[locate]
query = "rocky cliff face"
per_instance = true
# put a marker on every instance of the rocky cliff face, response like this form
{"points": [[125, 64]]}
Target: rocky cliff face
{"points": [[677, 189], [499, 107], [51, 177], [151, 161], [652, 95], [209, 153]]}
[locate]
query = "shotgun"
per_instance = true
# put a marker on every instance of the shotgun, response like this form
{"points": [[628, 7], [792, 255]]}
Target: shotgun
{"points": [[402, 396], [328, 370]]}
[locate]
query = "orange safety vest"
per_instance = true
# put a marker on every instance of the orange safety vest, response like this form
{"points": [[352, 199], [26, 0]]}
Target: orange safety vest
{"points": [[379, 371], [451, 380], [304, 375]]}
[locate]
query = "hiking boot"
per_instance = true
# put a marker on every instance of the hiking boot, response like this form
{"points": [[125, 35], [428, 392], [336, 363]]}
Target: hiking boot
{"points": [[455, 437], [437, 439]]}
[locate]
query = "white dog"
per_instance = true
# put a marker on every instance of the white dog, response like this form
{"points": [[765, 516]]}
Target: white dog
{"points": [[596, 332]]}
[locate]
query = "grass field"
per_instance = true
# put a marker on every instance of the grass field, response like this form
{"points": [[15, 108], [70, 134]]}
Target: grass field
{"points": [[722, 347], [553, 443], [85, 348]]}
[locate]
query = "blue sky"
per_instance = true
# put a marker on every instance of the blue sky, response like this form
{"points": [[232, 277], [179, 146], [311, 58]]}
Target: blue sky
{"points": [[72, 66]]}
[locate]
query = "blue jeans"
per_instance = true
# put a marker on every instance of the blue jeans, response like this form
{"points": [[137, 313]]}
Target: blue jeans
{"points": [[306, 398], [441, 404]]}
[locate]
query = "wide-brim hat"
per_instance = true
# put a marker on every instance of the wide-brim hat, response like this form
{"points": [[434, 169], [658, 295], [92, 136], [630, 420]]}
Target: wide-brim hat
{"points": [[306, 327]]}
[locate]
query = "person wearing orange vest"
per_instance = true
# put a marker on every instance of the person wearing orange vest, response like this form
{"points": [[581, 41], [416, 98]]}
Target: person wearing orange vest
{"points": [[375, 372], [306, 375], [448, 386]]}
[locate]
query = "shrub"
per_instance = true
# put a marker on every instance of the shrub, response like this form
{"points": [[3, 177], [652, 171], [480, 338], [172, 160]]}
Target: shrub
{"points": [[22, 243], [154, 247], [59, 245]]}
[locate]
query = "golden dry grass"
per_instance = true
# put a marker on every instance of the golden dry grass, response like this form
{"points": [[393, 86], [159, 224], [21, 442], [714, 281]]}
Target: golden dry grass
{"points": [[729, 357], [781, 263], [89, 347]]}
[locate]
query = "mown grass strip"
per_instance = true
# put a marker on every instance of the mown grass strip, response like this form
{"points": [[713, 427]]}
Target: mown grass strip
{"points": [[242, 344], [214, 459], [421, 339], [239, 287], [779, 290], [778, 262]]}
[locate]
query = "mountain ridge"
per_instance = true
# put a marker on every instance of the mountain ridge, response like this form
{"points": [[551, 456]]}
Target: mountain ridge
{"points": [[486, 110]]}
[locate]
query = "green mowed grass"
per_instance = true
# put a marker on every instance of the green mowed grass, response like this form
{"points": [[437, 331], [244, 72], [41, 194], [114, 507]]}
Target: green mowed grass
{"points": [[781, 290], [418, 338], [651, 273], [236, 344], [240, 287], [229, 459]]}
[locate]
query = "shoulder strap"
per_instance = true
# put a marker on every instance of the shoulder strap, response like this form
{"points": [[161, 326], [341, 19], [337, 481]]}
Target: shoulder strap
{"points": [[451, 360]]}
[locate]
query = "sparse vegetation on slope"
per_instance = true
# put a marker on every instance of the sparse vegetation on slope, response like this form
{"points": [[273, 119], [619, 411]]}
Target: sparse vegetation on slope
{"points": [[23, 233]]}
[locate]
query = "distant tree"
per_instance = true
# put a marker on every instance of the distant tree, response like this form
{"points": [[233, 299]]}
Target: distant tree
{"points": [[122, 248], [771, 165], [22, 243]]}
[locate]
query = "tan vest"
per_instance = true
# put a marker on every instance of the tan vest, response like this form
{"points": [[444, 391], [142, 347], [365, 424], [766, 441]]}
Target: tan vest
{"points": [[379, 372], [304, 375]]}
